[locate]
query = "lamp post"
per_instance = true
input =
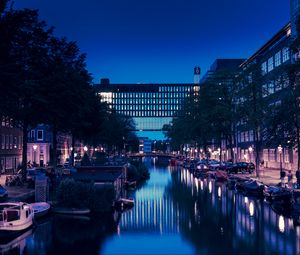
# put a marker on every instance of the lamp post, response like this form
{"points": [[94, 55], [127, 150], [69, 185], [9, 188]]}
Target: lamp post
{"points": [[34, 153], [209, 150], [280, 153], [250, 153], [219, 152], [85, 149]]}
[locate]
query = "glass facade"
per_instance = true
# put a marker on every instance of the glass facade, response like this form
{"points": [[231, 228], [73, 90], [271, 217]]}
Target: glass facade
{"points": [[150, 105]]}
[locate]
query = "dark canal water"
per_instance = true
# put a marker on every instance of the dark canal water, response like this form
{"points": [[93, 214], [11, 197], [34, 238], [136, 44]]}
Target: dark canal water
{"points": [[174, 214]]}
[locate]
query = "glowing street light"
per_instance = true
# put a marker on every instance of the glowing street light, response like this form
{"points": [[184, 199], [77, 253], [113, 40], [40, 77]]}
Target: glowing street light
{"points": [[280, 155], [34, 152], [85, 148], [250, 152]]}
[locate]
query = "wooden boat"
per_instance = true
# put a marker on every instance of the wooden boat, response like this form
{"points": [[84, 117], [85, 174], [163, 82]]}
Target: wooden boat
{"points": [[72, 211], [15, 218], [40, 209]]}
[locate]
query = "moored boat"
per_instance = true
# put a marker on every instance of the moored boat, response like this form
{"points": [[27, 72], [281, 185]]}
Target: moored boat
{"points": [[221, 176], [251, 187], [124, 203], [71, 211], [15, 218], [40, 209], [276, 194]]}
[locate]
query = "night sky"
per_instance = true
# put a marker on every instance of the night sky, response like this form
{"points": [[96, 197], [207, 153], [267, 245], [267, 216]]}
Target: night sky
{"points": [[160, 41]]}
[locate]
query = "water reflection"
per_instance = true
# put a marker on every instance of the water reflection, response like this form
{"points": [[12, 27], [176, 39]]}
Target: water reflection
{"points": [[240, 224], [251, 208], [174, 213]]}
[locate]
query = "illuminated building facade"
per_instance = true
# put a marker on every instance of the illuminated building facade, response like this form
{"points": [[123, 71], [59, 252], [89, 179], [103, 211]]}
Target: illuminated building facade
{"points": [[150, 105], [274, 54], [11, 144]]}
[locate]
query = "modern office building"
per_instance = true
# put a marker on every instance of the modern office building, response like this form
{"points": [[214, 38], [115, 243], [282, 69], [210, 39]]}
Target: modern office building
{"points": [[271, 56], [150, 105], [222, 65], [295, 11]]}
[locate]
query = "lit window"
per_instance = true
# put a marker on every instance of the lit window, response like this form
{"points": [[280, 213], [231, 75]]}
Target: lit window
{"points": [[40, 135], [270, 64], [285, 55], [278, 59], [271, 88]]}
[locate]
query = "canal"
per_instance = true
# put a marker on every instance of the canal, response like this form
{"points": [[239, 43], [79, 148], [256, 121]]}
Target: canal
{"points": [[174, 213]]}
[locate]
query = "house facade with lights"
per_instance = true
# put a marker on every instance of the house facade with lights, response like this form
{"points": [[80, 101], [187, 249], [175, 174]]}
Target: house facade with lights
{"points": [[11, 144], [39, 145], [40, 142]]}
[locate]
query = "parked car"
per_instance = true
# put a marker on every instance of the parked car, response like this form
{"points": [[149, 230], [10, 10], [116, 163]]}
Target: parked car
{"points": [[3, 193], [226, 166]]}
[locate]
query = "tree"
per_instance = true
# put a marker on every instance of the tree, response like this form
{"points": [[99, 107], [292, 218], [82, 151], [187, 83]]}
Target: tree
{"points": [[208, 116], [75, 107], [252, 107], [117, 131], [24, 48]]}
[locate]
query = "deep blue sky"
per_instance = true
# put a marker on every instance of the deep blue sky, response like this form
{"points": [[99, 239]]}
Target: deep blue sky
{"points": [[160, 41]]}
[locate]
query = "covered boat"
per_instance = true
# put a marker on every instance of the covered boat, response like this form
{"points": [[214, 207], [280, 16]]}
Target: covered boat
{"points": [[276, 194], [15, 218], [40, 209], [71, 211], [251, 187]]}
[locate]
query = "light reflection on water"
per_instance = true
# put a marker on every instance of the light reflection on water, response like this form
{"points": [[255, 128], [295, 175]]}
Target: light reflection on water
{"points": [[174, 213]]}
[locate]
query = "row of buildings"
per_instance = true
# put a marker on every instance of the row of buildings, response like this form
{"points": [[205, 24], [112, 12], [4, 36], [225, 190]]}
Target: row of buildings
{"points": [[154, 105], [39, 146]]}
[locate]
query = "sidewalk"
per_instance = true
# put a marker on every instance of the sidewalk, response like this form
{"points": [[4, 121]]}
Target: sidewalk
{"points": [[271, 176], [17, 193]]}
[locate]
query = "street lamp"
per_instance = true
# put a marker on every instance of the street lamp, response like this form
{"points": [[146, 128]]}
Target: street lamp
{"points": [[209, 150], [219, 152], [85, 148], [280, 153], [250, 152], [34, 153]]}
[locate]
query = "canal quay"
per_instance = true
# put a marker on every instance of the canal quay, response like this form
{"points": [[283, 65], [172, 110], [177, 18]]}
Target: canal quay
{"points": [[174, 213]]}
